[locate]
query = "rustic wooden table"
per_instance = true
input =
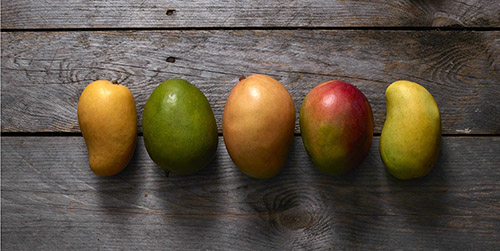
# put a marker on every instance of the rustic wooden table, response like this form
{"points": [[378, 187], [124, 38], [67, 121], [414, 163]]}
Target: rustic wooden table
{"points": [[52, 49]]}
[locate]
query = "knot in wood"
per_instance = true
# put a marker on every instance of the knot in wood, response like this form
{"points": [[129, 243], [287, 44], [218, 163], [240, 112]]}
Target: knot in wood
{"points": [[296, 218], [171, 59], [170, 12]]}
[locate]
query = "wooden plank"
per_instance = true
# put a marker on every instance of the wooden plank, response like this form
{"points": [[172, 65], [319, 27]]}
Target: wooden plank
{"points": [[51, 200], [30, 14], [42, 79]]}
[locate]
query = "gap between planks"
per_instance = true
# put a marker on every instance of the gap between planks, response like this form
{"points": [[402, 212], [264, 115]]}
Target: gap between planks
{"points": [[363, 28]]}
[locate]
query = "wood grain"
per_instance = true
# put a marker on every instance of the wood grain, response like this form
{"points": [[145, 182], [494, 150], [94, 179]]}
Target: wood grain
{"points": [[51, 200], [57, 14], [42, 79]]}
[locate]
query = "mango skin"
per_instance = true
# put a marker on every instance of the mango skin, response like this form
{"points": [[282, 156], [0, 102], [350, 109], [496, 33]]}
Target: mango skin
{"points": [[108, 121], [336, 124], [411, 137], [179, 127], [258, 126]]}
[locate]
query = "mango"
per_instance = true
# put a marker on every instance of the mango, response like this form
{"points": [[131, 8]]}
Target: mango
{"points": [[180, 132], [411, 137], [336, 124], [258, 126], [108, 120]]}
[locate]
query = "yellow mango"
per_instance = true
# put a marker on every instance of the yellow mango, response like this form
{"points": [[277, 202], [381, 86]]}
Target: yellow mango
{"points": [[108, 120]]}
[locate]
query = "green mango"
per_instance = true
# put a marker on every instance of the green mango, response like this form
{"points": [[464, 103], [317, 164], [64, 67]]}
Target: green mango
{"points": [[411, 137], [180, 132]]}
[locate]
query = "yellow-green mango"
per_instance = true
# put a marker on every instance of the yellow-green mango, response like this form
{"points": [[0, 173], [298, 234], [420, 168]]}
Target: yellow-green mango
{"points": [[411, 137]]}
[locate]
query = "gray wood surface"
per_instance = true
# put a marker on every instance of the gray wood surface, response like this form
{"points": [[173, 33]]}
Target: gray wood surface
{"points": [[51, 200], [44, 73], [33, 14]]}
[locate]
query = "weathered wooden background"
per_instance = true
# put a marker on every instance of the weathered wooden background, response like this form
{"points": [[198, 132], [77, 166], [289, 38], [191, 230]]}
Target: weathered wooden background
{"points": [[52, 49]]}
